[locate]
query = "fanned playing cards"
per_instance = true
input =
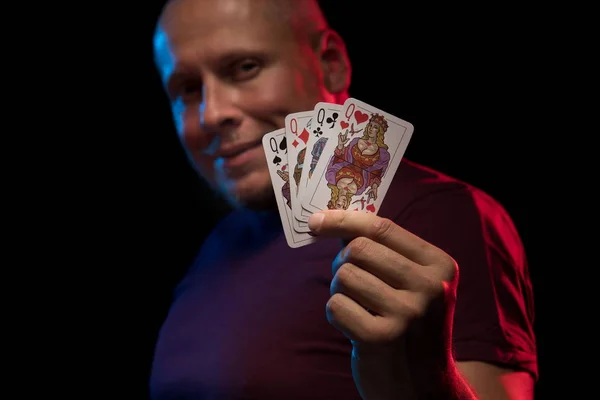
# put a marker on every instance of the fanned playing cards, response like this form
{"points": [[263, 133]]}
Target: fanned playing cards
{"points": [[333, 157]]}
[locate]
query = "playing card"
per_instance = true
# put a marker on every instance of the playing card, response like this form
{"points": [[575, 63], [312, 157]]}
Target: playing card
{"points": [[297, 127], [362, 156], [326, 118], [276, 149]]}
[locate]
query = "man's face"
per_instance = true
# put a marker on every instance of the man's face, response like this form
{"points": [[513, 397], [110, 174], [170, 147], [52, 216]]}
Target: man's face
{"points": [[232, 75]]}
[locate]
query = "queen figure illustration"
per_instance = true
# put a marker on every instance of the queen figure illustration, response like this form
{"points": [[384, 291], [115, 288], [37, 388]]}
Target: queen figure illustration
{"points": [[358, 164]]}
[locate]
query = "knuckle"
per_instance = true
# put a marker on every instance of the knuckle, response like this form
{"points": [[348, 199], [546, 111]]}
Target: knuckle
{"points": [[414, 312], [333, 306], [345, 274], [383, 228], [451, 269], [341, 221], [342, 280], [447, 268], [433, 287], [414, 308], [358, 247]]}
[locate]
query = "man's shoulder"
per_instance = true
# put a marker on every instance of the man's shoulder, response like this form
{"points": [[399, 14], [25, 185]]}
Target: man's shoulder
{"points": [[421, 179], [414, 181], [416, 184]]}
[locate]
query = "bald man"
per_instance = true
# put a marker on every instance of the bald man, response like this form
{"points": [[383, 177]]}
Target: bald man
{"points": [[385, 317]]}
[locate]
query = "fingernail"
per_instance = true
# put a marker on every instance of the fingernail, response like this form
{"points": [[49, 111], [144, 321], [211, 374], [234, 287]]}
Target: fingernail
{"points": [[315, 221]]}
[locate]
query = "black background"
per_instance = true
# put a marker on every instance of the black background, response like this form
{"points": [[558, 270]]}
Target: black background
{"points": [[469, 80]]}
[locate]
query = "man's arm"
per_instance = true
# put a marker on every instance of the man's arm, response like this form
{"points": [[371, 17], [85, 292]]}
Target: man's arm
{"points": [[493, 340], [494, 345], [491, 382]]}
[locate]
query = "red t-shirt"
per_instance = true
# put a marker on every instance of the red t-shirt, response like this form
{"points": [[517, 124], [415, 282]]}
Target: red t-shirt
{"points": [[248, 320]]}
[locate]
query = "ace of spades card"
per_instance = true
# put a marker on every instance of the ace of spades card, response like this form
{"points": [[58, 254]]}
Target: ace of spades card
{"points": [[361, 158], [325, 118], [297, 127], [276, 148]]}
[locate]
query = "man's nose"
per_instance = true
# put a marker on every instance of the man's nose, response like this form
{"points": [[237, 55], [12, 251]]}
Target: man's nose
{"points": [[218, 111]]}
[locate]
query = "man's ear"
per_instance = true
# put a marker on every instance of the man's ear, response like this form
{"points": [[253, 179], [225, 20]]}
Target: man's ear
{"points": [[335, 62]]}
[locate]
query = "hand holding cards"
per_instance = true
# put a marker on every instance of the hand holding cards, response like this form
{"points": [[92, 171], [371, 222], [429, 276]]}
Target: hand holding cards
{"points": [[333, 157]]}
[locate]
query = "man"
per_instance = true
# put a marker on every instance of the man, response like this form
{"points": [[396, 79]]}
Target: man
{"points": [[388, 316]]}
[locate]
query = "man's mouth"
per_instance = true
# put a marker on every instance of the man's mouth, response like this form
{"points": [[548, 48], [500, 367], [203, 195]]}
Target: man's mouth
{"points": [[239, 155]]}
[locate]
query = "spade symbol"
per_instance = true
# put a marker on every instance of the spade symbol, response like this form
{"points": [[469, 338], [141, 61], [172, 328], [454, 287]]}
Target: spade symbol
{"points": [[283, 145], [331, 120], [276, 160]]}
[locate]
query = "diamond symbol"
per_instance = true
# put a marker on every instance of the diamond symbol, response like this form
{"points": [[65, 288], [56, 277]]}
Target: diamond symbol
{"points": [[304, 135]]}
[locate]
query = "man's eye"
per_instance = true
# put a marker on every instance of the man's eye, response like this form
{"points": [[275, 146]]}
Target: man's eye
{"points": [[245, 70], [248, 66], [191, 91]]}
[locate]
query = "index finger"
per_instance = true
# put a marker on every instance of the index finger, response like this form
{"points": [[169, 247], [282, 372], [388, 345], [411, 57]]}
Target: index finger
{"points": [[351, 224]]}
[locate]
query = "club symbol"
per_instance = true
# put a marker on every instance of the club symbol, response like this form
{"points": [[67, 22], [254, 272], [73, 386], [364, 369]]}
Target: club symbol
{"points": [[318, 132], [331, 120]]}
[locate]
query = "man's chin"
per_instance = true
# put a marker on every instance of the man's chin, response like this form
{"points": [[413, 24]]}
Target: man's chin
{"points": [[253, 192]]}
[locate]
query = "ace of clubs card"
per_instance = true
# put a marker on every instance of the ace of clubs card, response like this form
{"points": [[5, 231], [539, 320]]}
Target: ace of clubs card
{"points": [[276, 151], [359, 160]]}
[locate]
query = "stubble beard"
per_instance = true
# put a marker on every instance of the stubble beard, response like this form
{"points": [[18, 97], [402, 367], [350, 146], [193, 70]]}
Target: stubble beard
{"points": [[245, 195], [258, 201]]}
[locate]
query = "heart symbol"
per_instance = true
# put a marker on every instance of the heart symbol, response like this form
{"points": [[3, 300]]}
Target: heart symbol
{"points": [[371, 208], [360, 117], [344, 124]]}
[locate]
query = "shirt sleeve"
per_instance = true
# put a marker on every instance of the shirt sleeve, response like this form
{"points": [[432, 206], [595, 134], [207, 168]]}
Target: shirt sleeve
{"points": [[494, 313]]}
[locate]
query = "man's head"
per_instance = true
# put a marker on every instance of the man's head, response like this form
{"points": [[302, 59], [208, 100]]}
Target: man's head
{"points": [[233, 69]]}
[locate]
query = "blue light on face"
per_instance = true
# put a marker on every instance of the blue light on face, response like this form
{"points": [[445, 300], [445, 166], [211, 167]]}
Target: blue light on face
{"points": [[215, 142], [225, 186], [177, 108], [162, 55]]}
